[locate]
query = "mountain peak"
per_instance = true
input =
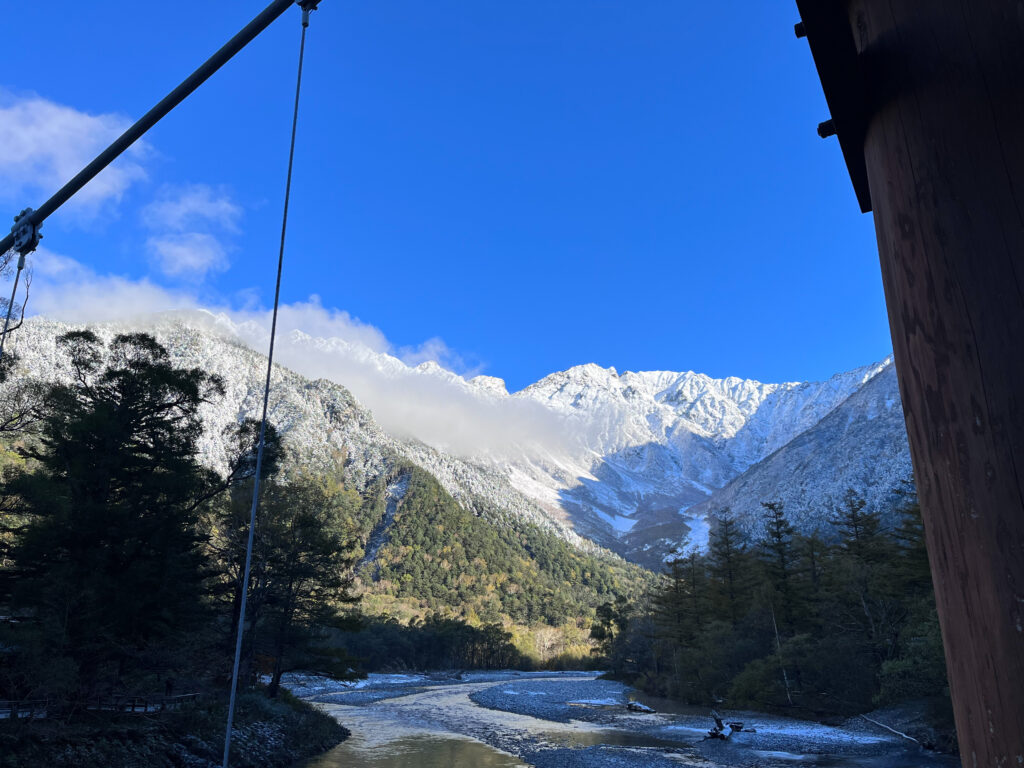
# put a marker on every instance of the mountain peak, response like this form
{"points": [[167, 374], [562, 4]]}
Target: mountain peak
{"points": [[490, 384]]}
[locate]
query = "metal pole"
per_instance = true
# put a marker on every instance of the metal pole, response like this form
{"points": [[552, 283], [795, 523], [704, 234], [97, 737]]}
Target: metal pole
{"points": [[151, 118]]}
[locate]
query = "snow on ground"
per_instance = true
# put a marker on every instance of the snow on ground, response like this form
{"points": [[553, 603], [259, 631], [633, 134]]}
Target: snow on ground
{"points": [[821, 734], [619, 523], [696, 540], [596, 702], [304, 685]]}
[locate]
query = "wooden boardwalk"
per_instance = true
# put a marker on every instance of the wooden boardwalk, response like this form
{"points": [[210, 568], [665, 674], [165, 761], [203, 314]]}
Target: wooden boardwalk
{"points": [[38, 708]]}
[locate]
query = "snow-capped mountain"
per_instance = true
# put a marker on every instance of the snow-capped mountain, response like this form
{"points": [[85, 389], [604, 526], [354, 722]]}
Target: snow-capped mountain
{"points": [[631, 461], [659, 447], [321, 420], [860, 445]]}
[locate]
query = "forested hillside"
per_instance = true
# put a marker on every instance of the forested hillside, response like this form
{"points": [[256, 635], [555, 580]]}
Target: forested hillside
{"points": [[838, 622], [122, 552]]}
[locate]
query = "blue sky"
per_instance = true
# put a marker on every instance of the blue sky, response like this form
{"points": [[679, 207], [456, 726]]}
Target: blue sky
{"points": [[513, 188]]}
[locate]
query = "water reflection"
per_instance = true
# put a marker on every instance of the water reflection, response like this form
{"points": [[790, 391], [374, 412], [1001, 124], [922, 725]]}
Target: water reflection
{"points": [[418, 752], [609, 737]]}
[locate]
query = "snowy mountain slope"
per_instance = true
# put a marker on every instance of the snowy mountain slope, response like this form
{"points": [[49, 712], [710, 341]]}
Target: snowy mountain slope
{"points": [[654, 444], [630, 461], [321, 420], [861, 445]]}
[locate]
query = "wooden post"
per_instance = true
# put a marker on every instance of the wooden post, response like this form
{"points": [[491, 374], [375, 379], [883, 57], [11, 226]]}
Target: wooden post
{"points": [[935, 108]]}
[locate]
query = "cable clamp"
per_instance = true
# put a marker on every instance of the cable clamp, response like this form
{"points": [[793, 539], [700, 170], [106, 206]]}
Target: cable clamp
{"points": [[307, 6], [26, 234]]}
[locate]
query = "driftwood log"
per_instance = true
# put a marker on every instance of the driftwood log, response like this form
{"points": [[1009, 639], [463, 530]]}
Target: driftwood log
{"points": [[718, 732]]}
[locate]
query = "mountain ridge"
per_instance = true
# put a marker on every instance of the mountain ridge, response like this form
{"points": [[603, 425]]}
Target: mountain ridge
{"points": [[632, 461]]}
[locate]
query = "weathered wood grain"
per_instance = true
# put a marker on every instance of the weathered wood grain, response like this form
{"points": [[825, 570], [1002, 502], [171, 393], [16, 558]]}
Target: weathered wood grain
{"points": [[944, 148]]}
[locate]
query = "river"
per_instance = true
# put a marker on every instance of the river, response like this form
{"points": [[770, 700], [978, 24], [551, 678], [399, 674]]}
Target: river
{"points": [[572, 720]]}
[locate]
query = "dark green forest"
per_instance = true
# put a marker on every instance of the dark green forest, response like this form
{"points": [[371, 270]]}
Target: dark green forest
{"points": [[835, 623], [121, 554], [441, 555]]}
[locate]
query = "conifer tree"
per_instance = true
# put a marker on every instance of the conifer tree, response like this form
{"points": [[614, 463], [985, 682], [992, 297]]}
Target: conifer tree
{"points": [[779, 559], [728, 565], [866, 591], [310, 557], [109, 563], [671, 605]]}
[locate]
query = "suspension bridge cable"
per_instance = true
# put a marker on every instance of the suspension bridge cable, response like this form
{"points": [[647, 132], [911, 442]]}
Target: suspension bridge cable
{"points": [[10, 304], [266, 398]]}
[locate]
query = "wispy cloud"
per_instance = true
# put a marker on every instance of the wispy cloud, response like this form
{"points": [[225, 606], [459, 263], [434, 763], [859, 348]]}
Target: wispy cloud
{"points": [[435, 350], [44, 144], [189, 255], [189, 224], [192, 206]]}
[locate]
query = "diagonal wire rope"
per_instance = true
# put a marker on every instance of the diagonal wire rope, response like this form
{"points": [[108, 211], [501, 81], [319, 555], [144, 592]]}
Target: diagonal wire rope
{"points": [[10, 305], [266, 399]]}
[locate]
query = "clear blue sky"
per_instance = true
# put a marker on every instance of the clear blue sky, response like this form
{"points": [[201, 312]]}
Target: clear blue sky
{"points": [[539, 183]]}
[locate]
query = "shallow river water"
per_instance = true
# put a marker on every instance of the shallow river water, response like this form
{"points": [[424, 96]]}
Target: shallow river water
{"points": [[570, 720]]}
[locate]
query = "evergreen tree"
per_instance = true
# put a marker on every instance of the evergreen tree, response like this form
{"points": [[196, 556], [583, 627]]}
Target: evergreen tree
{"points": [[868, 601], [109, 562], [778, 559], [309, 566], [671, 605], [226, 527], [918, 668], [729, 569], [860, 531]]}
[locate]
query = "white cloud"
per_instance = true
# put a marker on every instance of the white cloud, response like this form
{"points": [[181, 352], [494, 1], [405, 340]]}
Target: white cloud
{"points": [[188, 223], [44, 144], [436, 351], [189, 254], [179, 209], [435, 405], [64, 289], [439, 408], [312, 318]]}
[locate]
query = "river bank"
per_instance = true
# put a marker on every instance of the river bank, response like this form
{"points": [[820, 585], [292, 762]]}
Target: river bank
{"points": [[267, 734], [572, 720]]}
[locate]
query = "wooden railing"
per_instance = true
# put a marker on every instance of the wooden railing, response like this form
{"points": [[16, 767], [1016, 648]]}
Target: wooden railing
{"points": [[138, 704], [125, 704], [16, 709]]}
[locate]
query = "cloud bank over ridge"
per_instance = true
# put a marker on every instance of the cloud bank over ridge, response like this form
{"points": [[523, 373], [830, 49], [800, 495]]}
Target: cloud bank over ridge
{"points": [[422, 391]]}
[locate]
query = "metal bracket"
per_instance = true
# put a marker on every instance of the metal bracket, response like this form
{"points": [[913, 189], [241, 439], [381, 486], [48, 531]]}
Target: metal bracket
{"points": [[826, 25], [26, 234]]}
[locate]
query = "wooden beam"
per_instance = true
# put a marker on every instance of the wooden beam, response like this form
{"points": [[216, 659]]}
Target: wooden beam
{"points": [[942, 94]]}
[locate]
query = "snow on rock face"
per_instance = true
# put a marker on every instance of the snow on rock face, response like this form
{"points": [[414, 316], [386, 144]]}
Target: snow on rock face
{"points": [[631, 461], [490, 384], [320, 420], [860, 445], [656, 443]]}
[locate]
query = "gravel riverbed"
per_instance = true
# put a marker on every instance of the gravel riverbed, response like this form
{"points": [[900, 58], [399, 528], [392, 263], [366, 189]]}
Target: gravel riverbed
{"points": [[570, 720]]}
